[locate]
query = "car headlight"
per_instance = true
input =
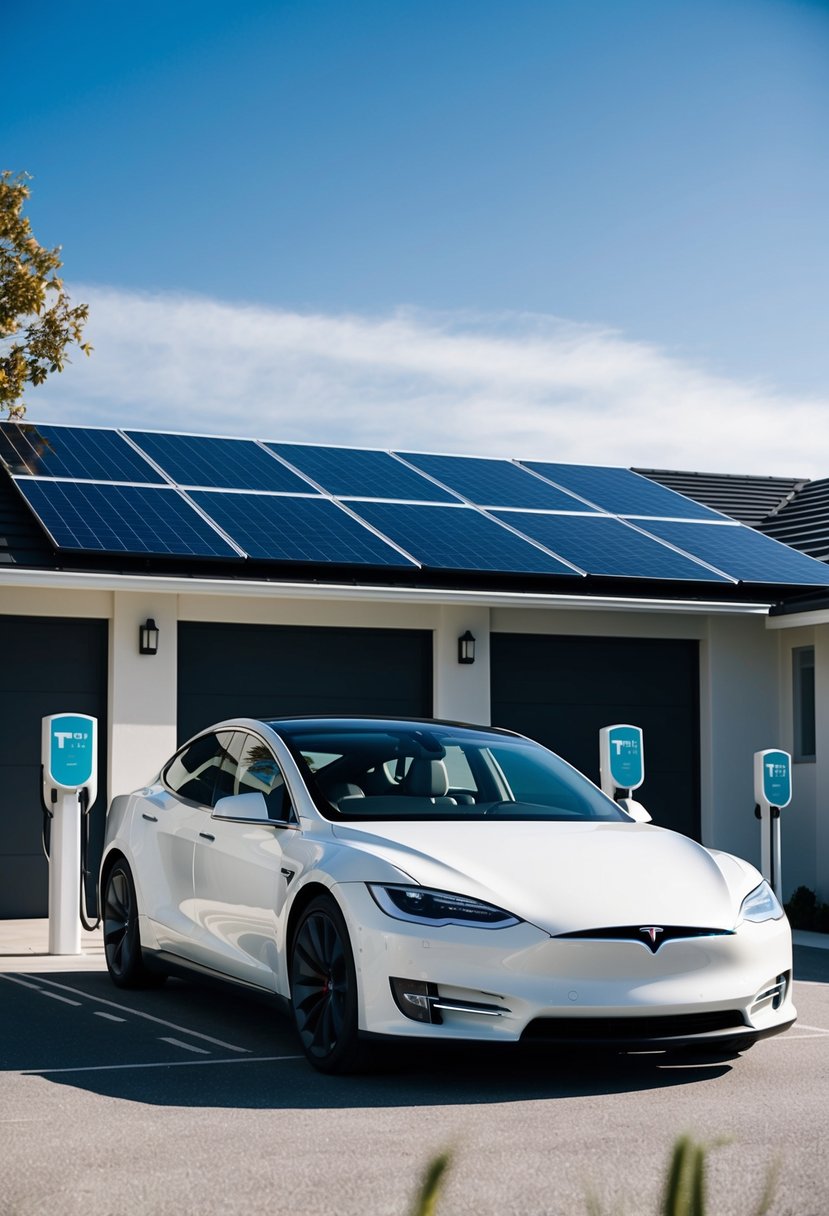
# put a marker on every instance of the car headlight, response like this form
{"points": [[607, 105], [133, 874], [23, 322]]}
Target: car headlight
{"points": [[761, 904], [424, 906]]}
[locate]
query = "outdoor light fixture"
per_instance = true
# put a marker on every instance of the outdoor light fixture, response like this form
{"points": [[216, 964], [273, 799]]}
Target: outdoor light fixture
{"points": [[466, 648], [148, 637]]}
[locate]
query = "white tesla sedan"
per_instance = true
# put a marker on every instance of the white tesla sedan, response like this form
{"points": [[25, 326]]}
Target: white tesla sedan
{"points": [[431, 880]]}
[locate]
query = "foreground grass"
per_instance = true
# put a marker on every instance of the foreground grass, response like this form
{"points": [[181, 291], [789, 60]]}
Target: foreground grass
{"points": [[685, 1190]]}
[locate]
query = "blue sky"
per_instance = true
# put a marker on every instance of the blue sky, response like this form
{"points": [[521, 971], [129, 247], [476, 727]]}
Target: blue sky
{"points": [[587, 229]]}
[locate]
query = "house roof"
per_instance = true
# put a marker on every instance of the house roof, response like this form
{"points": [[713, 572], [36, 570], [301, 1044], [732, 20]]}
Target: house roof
{"points": [[803, 522], [790, 509], [751, 500]]}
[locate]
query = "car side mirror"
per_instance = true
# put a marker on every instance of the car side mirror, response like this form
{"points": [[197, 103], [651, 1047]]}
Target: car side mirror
{"points": [[250, 807]]}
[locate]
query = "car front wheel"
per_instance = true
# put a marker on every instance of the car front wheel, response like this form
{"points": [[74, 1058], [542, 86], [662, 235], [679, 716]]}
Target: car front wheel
{"points": [[324, 989], [122, 944]]}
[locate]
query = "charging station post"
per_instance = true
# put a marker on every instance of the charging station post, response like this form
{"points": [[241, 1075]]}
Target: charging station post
{"points": [[69, 754], [772, 792]]}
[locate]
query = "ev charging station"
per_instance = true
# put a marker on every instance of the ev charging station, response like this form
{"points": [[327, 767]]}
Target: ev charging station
{"points": [[772, 792], [622, 766], [69, 755]]}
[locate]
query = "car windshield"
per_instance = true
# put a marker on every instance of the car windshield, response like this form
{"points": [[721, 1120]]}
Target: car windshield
{"points": [[365, 771]]}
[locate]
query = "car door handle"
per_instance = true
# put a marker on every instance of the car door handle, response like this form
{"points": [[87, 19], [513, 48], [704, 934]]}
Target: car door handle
{"points": [[149, 818], [207, 836]]}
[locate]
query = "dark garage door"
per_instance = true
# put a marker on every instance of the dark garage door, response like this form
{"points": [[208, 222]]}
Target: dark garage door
{"points": [[271, 670], [49, 666], [562, 690]]}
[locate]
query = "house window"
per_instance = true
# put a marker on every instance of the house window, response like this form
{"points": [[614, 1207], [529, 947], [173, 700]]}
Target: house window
{"points": [[803, 687]]}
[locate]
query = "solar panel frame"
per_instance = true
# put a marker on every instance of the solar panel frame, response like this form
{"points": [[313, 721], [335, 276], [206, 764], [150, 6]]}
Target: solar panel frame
{"points": [[446, 537], [299, 529], [493, 483], [619, 491], [109, 517], [595, 542], [214, 462], [361, 473], [88, 454]]}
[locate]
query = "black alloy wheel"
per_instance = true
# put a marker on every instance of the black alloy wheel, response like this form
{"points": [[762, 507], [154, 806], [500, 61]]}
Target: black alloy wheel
{"points": [[122, 944], [324, 989]]}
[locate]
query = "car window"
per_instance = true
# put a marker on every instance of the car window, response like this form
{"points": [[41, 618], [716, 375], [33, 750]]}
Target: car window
{"points": [[318, 760], [192, 773], [251, 767], [387, 770]]}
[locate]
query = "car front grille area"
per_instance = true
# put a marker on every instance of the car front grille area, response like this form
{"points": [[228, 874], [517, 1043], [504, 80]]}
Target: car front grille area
{"points": [[631, 1030], [772, 996], [652, 936], [422, 1002]]}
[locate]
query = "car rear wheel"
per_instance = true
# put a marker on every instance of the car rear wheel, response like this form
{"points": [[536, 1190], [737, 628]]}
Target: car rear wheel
{"points": [[122, 944], [324, 989]]}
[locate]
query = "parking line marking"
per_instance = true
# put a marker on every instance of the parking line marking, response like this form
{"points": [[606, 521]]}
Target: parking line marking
{"points": [[57, 997], [789, 1037], [43, 991], [187, 1046], [136, 1013], [48, 1072], [24, 983], [819, 1029], [110, 1017]]}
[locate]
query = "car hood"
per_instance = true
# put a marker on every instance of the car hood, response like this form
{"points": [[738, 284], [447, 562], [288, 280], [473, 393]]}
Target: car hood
{"points": [[565, 877]]}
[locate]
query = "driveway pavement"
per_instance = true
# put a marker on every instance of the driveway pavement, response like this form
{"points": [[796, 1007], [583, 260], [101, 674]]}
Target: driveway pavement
{"points": [[193, 1099]]}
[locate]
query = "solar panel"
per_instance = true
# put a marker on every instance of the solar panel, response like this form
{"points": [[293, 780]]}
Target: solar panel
{"points": [[621, 492], [361, 473], [602, 545], [226, 464], [743, 553], [458, 538], [292, 529], [82, 453], [494, 483], [122, 519]]}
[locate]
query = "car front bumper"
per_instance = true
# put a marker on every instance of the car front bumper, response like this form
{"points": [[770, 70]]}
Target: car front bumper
{"points": [[519, 983]]}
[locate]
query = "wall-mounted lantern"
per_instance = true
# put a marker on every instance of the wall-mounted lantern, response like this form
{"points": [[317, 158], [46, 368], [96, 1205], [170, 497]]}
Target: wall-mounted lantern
{"points": [[148, 637], [466, 648]]}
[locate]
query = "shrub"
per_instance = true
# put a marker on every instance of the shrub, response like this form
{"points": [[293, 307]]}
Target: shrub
{"points": [[805, 911], [684, 1192]]}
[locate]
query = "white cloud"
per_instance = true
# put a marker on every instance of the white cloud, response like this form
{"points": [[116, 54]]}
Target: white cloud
{"points": [[509, 385]]}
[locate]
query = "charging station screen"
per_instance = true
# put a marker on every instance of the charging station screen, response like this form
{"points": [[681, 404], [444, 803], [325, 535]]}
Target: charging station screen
{"points": [[624, 745], [777, 778], [71, 750]]}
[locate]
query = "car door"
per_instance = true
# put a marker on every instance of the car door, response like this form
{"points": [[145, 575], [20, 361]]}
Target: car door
{"points": [[165, 829], [239, 878]]}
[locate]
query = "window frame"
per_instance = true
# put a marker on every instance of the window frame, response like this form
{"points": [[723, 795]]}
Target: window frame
{"points": [[234, 757], [803, 723], [218, 735]]}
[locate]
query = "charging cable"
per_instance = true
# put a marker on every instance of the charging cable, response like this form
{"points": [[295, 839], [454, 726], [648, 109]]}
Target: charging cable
{"points": [[83, 799], [48, 816]]}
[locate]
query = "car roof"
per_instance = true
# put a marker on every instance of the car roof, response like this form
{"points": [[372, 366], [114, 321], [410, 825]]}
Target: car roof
{"points": [[365, 721]]}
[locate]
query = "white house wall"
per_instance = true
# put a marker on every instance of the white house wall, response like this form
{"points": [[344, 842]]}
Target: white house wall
{"points": [[805, 826], [821, 774], [738, 716], [799, 826], [142, 693]]}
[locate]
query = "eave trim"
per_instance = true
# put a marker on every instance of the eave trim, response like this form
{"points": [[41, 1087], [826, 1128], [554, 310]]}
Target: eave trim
{"points": [[251, 589]]}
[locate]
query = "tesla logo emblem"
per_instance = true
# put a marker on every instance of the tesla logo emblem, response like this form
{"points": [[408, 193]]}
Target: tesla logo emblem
{"points": [[652, 931]]}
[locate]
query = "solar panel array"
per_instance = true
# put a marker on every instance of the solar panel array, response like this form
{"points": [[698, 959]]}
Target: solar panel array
{"points": [[158, 494]]}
